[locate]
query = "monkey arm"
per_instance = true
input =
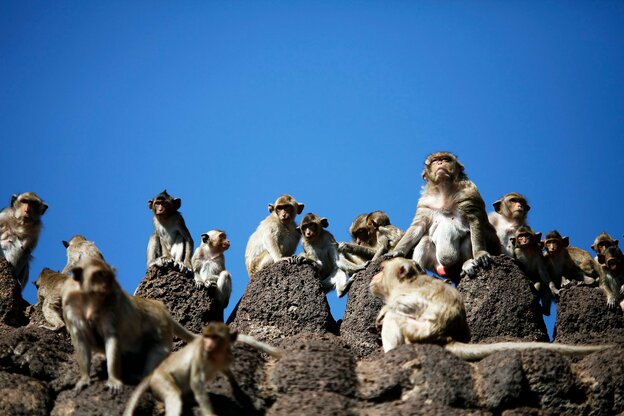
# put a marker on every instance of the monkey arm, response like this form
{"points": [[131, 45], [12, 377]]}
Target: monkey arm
{"points": [[113, 362], [411, 237], [154, 249], [383, 245], [358, 250], [270, 244], [474, 209]]}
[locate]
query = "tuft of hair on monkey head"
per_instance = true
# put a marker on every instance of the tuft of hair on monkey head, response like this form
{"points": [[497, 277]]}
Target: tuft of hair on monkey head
{"points": [[443, 167]]}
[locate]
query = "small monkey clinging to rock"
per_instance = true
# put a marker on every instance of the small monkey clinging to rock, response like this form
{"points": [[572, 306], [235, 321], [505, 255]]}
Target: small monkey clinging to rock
{"points": [[209, 265]]}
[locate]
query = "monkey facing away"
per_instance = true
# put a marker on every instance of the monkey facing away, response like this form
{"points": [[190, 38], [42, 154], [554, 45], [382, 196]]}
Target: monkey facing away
{"points": [[276, 238], [421, 309], [450, 231], [373, 236], [567, 264], [602, 242], [79, 249], [20, 225], [101, 317], [509, 214], [171, 240], [209, 265], [49, 292], [321, 250], [612, 281], [189, 369], [528, 251]]}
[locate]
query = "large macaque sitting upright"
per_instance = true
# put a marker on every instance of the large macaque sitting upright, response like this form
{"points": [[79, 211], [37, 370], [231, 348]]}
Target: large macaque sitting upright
{"points": [[450, 231], [276, 238]]}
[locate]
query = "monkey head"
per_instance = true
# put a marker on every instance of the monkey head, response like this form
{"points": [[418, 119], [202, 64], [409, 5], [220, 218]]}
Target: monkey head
{"points": [[359, 231], [286, 209], [525, 237], [164, 204], [311, 226], [554, 243], [611, 259], [44, 276], [216, 240], [217, 340], [77, 239], [28, 207], [512, 205], [393, 272], [443, 167], [95, 276], [378, 219], [603, 242]]}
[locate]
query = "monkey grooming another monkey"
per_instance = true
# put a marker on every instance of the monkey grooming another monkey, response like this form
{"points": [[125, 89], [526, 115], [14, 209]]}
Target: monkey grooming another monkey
{"points": [[276, 237], [509, 214], [209, 265], [421, 309], [567, 264], [101, 317], [374, 236], [321, 250], [171, 240], [450, 231], [612, 281], [189, 369], [79, 249], [20, 225], [602, 242], [49, 293], [528, 251]]}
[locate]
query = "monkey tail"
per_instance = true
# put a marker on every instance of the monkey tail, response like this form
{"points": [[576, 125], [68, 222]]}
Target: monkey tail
{"points": [[136, 395], [259, 345], [474, 352], [181, 332]]}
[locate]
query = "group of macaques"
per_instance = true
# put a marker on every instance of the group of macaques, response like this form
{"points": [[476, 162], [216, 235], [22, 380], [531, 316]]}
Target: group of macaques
{"points": [[450, 235]]}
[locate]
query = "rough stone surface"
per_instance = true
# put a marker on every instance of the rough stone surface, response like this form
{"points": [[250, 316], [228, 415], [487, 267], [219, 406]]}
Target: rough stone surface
{"points": [[283, 300], [583, 317], [501, 305], [501, 382], [313, 403], [602, 375], [413, 407], [358, 324], [21, 395], [168, 285], [12, 305]]}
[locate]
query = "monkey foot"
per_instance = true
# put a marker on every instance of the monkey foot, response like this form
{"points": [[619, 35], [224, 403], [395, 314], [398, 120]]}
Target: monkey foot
{"points": [[345, 289]]}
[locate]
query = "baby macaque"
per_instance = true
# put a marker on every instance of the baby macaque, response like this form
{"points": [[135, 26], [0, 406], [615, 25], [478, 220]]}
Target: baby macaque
{"points": [[209, 265], [612, 283], [568, 265], [80, 249], [49, 293]]}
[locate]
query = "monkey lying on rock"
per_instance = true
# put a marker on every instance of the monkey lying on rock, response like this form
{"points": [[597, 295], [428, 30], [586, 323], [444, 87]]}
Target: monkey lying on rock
{"points": [[421, 309]]}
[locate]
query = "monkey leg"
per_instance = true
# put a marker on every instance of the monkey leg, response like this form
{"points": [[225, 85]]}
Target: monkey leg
{"points": [[155, 355], [224, 286], [260, 262], [425, 256], [164, 386], [53, 316], [113, 364], [83, 355], [154, 251], [339, 280], [391, 334]]}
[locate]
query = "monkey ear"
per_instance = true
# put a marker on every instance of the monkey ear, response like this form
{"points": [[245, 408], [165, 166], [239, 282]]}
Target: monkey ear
{"points": [[616, 242], [204, 238], [528, 207], [538, 236], [77, 274], [150, 203], [44, 208], [177, 203], [404, 272], [300, 208], [565, 241], [324, 222], [13, 199], [65, 243], [36, 283], [298, 228], [419, 269], [271, 208], [233, 335], [497, 205], [424, 174]]}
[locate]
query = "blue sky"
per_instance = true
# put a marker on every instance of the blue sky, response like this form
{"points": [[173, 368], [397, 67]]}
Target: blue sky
{"points": [[229, 104]]}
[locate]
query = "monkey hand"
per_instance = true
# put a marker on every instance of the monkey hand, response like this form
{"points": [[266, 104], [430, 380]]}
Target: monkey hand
{"points": [[392, 255], [483, 259], [82, 384], [344, 248], [114, 385], [611, 303]]}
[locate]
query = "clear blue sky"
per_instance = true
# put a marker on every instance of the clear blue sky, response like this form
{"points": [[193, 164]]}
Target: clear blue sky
{"points": [[229, 104]]}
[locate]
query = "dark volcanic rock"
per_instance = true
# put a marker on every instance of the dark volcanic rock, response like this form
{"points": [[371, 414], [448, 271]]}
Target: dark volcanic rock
{"points": [[415, 407], [583, 317], [12, 305], [501, 305], [501, 382], [192, 306], [603, 375], [283, 300], [313, 403], [21, 395], [424, 372], [358, 323], [315, 363]]}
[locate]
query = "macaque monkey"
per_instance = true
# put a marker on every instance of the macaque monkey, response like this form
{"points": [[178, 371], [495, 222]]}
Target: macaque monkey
{"points": [[20, 225], [569, 264], [373, 235], [171, 241], [602, 242], [101, 317], [528, 251], [450, 231], [49, 291], [421, 309], [321, 251], [209, 265], [612, 281], [79, 249], [509, 214], [189, 369], [276, 237]]}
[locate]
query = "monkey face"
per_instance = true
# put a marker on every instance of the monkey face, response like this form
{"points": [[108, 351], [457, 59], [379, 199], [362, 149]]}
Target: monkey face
{"points": [[524, 239], [552, 245], [602, 246], [160, 207], [517, 207], [441, 167], [284, 213], [362, 236], [310, 231], [29, 207]]}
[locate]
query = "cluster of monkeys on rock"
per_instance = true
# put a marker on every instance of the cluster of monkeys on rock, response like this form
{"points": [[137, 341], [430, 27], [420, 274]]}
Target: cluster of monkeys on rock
{"points": [[450, 235]]}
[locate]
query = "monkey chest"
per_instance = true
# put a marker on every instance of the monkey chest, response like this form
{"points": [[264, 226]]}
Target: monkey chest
{"points": [[452, 223]]}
